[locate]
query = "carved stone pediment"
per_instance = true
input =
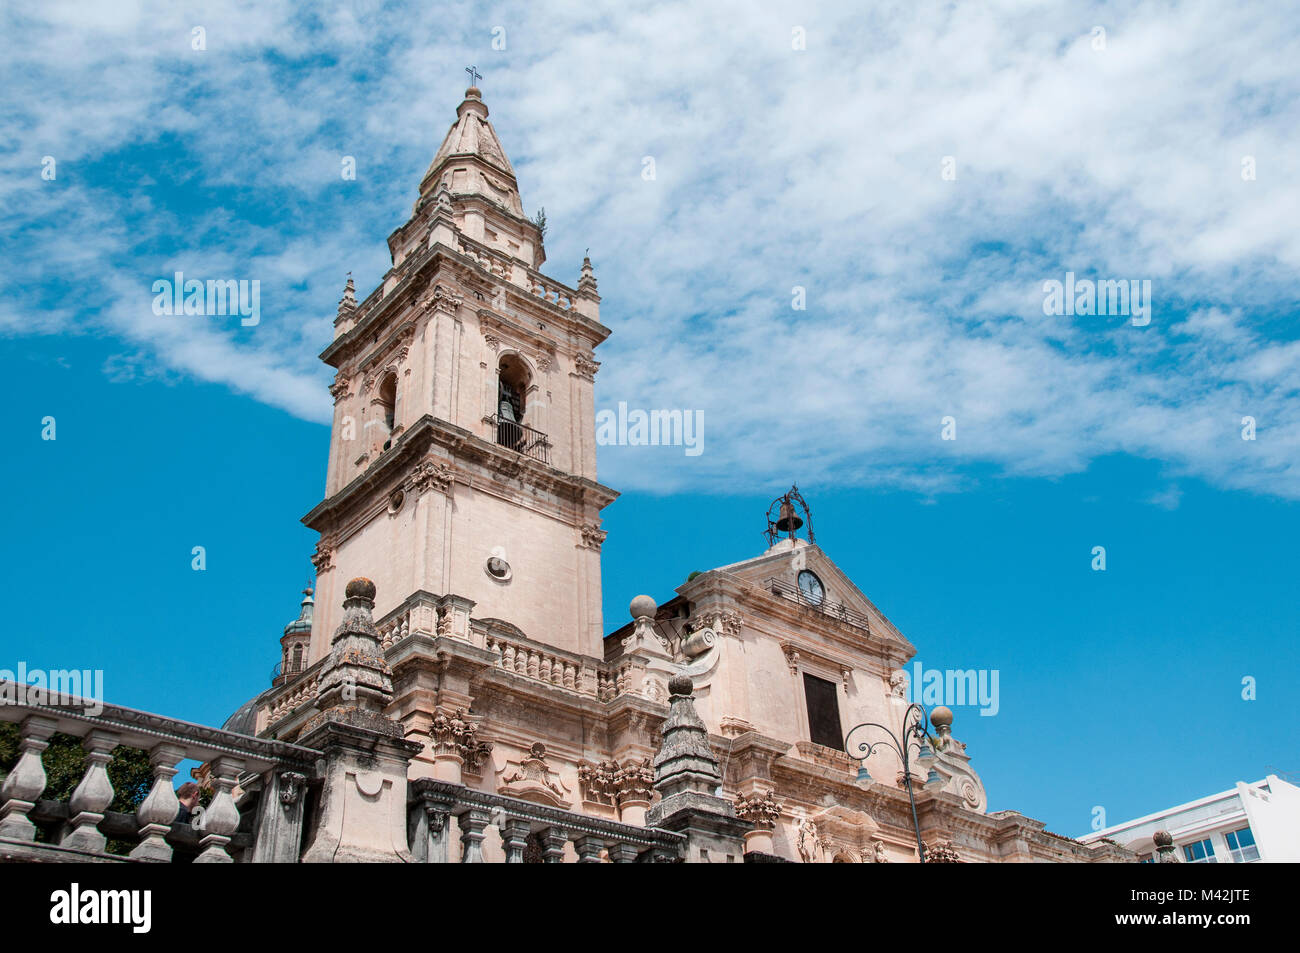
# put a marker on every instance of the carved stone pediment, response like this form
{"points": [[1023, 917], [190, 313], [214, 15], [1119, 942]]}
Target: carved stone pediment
{"points": [[531, 778]]}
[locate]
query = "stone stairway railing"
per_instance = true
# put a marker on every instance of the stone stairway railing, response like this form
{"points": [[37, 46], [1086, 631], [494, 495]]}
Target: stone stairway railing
{"points": [[271, 774]]}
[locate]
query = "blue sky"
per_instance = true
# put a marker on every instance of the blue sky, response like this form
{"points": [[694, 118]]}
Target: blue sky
{"points": [[776, 168]]}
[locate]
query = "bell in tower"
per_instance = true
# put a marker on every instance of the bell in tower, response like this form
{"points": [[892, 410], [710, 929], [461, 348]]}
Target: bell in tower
{"points": [[787, 522]]}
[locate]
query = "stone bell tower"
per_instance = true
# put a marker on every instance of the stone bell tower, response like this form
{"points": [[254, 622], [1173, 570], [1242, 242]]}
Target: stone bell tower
{"points": [[462, 462]]}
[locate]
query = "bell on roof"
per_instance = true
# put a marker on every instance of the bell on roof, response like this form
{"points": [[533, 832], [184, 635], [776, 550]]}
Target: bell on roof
{"points": [[788, 522]]}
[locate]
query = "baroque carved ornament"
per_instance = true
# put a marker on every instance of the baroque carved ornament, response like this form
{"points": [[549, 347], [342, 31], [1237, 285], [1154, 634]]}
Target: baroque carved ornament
{"points": [[443, 299], [432, 475], [453, 733]]}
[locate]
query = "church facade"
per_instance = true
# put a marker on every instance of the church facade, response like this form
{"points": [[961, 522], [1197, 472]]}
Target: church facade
{"points": [[458, 606]]}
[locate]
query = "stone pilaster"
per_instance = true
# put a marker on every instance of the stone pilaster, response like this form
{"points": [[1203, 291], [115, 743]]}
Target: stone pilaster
{"points": [[279, 818]]}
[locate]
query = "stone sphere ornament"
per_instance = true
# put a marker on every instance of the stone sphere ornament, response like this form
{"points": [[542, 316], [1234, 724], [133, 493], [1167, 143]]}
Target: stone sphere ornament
{"points": [[360, 588]]}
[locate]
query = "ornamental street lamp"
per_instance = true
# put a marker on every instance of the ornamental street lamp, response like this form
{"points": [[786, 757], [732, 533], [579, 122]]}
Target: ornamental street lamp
{"points": [[916, 734]]}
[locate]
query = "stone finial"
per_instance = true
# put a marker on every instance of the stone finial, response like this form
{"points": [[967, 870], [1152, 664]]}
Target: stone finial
{"points": [[1165, 852], [941, 718], [685, 763], [356, 683], [644, 636], [642, 607]]}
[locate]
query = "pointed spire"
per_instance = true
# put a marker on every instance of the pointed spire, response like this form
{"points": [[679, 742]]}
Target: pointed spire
{"points": [[471, 160], [587, 283], [348, 303]]}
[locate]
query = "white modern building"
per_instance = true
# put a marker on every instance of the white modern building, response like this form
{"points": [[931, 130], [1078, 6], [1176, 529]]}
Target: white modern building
{"points": [[1259, 821]]}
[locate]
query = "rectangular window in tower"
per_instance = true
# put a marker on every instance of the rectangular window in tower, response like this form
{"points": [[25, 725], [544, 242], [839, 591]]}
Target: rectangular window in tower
{"points": [[823, 702]]}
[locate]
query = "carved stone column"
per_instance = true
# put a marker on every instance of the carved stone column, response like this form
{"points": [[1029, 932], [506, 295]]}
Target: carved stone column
{"points": [[762, 810], [514, 835], [221, 819], [620, 853], [26, 782], [428, 816], [634, 782], [93, 795], [553, 841], [588, 849], [473, 824], [158, 810]]}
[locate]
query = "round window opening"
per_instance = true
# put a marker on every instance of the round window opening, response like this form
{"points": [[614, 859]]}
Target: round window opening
{"points": [[498, 568], [396, 500]]}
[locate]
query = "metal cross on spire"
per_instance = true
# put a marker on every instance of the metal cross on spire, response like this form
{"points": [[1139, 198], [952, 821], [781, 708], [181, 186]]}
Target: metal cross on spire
{"points": [[474, 75]]}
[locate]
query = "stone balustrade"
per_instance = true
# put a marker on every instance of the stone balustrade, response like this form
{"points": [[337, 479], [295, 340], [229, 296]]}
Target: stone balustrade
{"points": [[490, 261], [496, 827], [394, 628], [551, 292], [268, 772], [294, 694], [531, 660]]}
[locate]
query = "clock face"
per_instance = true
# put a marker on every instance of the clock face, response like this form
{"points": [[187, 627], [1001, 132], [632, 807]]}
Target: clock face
{"points": [[811, 587]]}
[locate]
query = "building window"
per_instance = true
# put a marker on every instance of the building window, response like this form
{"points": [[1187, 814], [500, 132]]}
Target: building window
{"points": [[1242, 845], [1202, 852], [388, 406], [823, 703], [512, 386]]}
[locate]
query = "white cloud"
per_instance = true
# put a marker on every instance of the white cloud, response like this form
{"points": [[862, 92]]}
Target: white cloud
{"points": [[776, 168]]}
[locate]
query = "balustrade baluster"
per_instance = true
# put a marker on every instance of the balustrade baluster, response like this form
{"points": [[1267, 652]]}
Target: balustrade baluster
{"points": [[221, 819], [26, 782], [93, 795], [156, 813]]}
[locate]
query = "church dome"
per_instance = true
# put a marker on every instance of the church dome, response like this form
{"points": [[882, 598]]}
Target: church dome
{"points": [[244, 720]]}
